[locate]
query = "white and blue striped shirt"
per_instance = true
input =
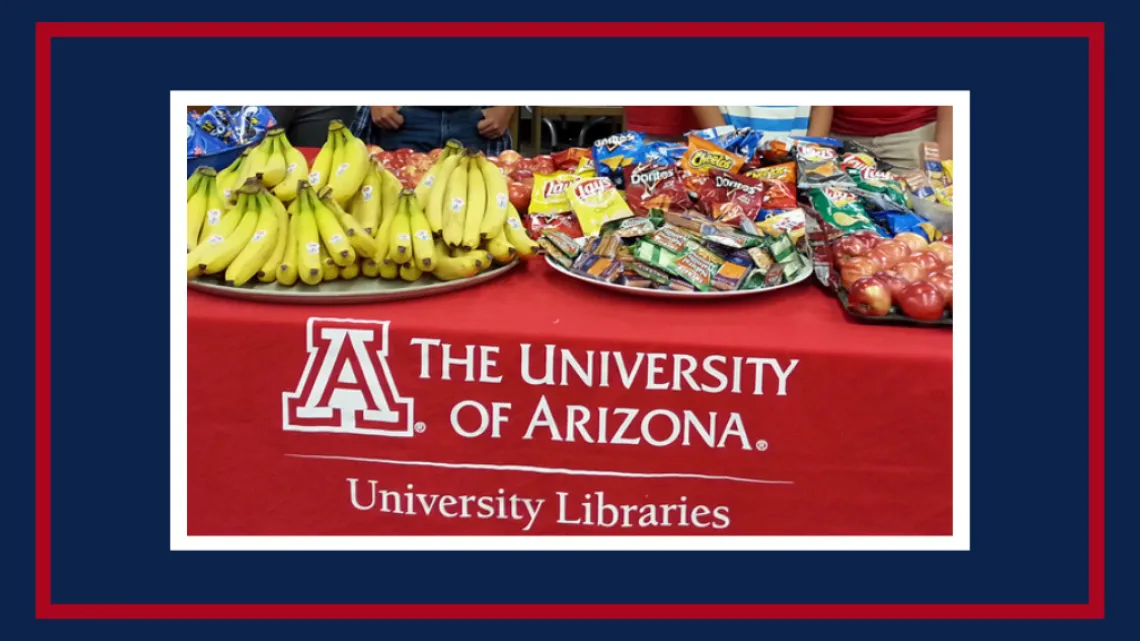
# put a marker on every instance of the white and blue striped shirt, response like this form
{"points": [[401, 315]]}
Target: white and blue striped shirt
{"points": [[788, 121]]}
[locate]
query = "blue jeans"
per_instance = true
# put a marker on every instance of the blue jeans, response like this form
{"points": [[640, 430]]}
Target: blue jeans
{"points": [[425, 129]]}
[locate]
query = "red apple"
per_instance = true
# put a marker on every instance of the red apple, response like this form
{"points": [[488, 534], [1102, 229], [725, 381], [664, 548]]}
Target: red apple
{"points": [[520, 196], [435, 154], [921, 301], [948, 239], [929, 260], [856, 268], [869, 297], [509, 157], [890, 252], [944, 251], [850, 246], [912, 240], [911, 271], [945, 285], [373, 150], [869, 238], [894, 283], [948, 270]]}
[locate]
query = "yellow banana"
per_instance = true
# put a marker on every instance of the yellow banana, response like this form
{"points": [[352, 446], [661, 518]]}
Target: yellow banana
{"points": [[310, 269], [333, 235], [351, 271], [260, 246], [354, 162], [500, 248], [423, 247], [436, 196], [400, 245], [517, 236], [216, 210], [367, 204], [410, 272], [275, 165], [296, 169], [483, 258], [388, 270], [329, 269], [196, 205], [269, 271], [498, 197], [228, 178], [455, 205], [476, 204], [391, 188], [448, 268], [322, 164], [287, 272], [423, 189], [361, 241], [218, 233], [369, 268], [227, 250]]}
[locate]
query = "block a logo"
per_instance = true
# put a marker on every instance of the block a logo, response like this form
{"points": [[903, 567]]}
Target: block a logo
{"points": [[347, 386]]}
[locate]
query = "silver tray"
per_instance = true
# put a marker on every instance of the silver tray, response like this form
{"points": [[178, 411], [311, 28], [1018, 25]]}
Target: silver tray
{"points": [[665, 293], [339, 292]]}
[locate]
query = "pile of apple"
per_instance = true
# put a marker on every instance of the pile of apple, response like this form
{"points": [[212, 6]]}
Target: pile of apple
{"points": [[904, 272], [411, 166]]}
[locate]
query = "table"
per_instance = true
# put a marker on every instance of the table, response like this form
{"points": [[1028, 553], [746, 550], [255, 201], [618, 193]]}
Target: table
{"points": [[775, 415]]}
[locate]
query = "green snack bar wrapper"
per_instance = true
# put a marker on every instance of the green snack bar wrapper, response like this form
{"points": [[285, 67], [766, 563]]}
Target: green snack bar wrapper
{"points": [[782, 249], [695, 269]]}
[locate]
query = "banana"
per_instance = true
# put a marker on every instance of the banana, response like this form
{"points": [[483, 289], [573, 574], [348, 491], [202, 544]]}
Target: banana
{"points": [[329, 269], [287, 272], [391, 188], [333, 236], [296, 168], [517, 236], [423, 248], [500, 248], [429, 181], [448, 268], [435, 204], [455, 205], [228, 177], [498, 197], [351, 271], [400, 245], [258, 160], [309, 267], [388, 270], [361, 241], [384, 236], [476, 204], [208, 242], [369, 268], [275, 166], [322, 164], [367, 204], [269, 271], [261, 245], [202, 179], [410, 272], [483, 258], [228, 249], [216, 209], [195, 180], [350, 164]]}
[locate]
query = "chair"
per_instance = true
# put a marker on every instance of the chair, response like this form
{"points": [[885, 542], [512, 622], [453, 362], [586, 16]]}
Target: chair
{"points": [[593, 116]]}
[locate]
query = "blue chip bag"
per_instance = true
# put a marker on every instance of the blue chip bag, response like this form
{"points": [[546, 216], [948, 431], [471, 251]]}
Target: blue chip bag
{"points": [[824, 142], [727, 137], [664, 153], [749, 144], [218, 123], [612, 154], [251, 123], [896, 222], [200, 143]]}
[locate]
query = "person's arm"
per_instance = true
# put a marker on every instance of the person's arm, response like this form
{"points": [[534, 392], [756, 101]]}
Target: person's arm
{"points": [[387, 117], [820, 124], [496, 121], [708, 116], [944, 132]]}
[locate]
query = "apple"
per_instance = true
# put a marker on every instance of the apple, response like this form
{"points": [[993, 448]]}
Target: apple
{"points": [[929, 260], [850, 246], [893, 282], [869, 297], [856, 268], [890, 253], [435, 154], [944, 251], [870, 238], [374, 149], [912, 240], [921, 301], [520, 196], [520, 174], [948, 270], [509, 157], [911, 271], [948, 239], [944, 283]]}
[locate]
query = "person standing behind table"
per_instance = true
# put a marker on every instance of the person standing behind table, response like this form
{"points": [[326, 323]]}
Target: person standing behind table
{"points": [[309, 126], [669, 124], [779, 121], [893, 134], [427, 128]]}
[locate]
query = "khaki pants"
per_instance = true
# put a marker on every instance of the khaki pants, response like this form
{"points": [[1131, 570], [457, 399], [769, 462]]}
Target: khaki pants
{"points": [[901, 149]]}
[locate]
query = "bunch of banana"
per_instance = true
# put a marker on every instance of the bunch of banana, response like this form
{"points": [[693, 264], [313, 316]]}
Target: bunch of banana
{"points": [[244, 241], [228, 178], [205, 207], [341, 164], [296, 168]]}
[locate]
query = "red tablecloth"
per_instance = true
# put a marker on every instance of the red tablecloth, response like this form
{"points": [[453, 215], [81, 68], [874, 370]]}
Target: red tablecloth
{"points": [[857, 439]]}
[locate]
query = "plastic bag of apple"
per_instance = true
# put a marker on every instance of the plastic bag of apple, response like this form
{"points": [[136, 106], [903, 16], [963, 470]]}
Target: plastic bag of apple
{"points": [[904, 278], [411, 166]]}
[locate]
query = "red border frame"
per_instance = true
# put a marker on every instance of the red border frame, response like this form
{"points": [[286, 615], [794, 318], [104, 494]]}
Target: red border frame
{"points": [[1093, 32]]}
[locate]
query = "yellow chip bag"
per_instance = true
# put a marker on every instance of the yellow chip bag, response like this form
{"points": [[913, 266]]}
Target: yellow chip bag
{"points": [[791, 222], [586, 168], [595, 202], [548, 196]]}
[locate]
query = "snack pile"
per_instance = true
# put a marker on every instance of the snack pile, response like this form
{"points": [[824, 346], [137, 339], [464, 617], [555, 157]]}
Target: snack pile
{"points": [[219, 130], [272, 216]]}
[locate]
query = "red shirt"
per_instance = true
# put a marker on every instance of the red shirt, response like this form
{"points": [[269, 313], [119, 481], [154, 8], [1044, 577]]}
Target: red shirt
{"points": [[880, 121], [660, 121]]}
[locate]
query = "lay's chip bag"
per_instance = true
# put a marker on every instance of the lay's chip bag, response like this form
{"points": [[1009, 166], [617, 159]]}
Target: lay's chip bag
{"points": [[841, 209], [702, 156], [595, 202], [612, 154], [881, 189], [548, 196]]}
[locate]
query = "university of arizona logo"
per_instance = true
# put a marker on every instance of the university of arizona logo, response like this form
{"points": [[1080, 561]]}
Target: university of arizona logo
{"points": [[347, 386]]}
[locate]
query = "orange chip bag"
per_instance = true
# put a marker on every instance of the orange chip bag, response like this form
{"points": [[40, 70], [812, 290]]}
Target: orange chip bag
{"points": [[595, 201], [548, 196], [702, 155], [783, 172]]}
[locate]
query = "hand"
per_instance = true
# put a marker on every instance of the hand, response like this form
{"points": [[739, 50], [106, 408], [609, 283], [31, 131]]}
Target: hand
{"points": [[495, 122], [387, 117]]}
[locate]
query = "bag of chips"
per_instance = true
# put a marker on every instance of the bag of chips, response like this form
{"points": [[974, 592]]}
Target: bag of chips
{"points": [[729, 197], [880, 189], [818, 166], [595, 202], [651, 186], [841, 209], [703, 156], [612, 154]]}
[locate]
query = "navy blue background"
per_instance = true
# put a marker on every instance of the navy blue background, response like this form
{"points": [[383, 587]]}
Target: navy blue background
{"points": [[110, 507]]}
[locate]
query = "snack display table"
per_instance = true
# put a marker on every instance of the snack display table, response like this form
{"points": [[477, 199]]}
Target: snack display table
{"points": [[535, 404]]}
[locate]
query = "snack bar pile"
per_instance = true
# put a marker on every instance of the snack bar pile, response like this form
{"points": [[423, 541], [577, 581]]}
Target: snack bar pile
{"points": [[220, 130]]}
